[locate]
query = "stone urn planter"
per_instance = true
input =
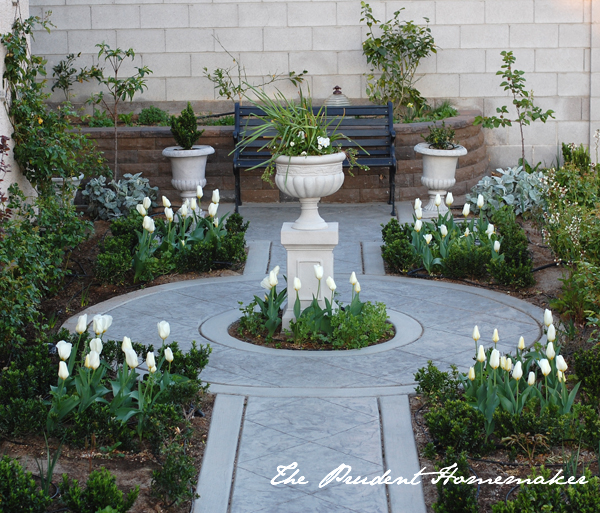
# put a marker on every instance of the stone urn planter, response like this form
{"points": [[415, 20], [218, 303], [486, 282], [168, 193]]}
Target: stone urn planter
{"points": [[188, 168], [74, 183], [309, 179], [439, 170]]}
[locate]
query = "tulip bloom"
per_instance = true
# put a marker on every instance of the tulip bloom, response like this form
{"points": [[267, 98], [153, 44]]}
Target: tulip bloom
{"points": [[168, 354], [521, 345], [418, 225], [449, 199], [418, 203], [545, 366], [147, 202], [495, 359], [357, 288], [141, 210], [561, 365], [169, 214], [476, 335], [166, 202], [63, 370], [551, 335], [331, 284], [164, 330], [276, 270], [126, 345], [480, 201], [81, 324], [531, 379], [183, 212], [131, 358], [428, 238], [64, 349], [273, 279], [517, 372], [150, 361], [471, 374], [212, 209], [93, 358], [148, 224], [548, 317], [466, 209], [509, 365], [443, 230], [503, 362], [353, 280], [152, 369], [418, 213], [96, 345], [101, 323], [265, 283], [561, 377], [497, 246], [215, 196], [481, 354], [193, 204], [550, 352], [297, 284], [199, 192], [490, 230], [318, 271], [438, 200], [495, 337]]}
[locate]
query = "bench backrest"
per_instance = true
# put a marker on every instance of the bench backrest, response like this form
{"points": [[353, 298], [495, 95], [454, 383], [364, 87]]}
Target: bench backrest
{"points": [[370, 127]]}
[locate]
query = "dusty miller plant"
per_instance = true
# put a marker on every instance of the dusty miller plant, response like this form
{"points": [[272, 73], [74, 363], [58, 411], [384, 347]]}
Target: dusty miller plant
{"points": [[396, 54], [522, 100]]}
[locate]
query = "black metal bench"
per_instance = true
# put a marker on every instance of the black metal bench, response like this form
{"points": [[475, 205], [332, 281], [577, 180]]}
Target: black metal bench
{"points": [[371, 128]]}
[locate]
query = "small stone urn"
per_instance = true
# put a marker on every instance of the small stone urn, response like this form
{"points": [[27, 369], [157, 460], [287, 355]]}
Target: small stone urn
{"points": [[188, 168]]}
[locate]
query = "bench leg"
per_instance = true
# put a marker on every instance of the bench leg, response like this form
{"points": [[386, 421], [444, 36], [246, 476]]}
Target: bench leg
{"points": [[392, 200], [237, 193]]}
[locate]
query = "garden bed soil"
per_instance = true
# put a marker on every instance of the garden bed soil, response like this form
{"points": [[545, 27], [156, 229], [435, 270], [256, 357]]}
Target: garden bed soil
{"points": [[283, 341], [492, 466], [129, 468]]}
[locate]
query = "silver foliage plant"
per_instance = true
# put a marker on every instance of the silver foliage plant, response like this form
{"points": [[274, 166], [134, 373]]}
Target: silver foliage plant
{"points": [[116, 199], [513, 186]]}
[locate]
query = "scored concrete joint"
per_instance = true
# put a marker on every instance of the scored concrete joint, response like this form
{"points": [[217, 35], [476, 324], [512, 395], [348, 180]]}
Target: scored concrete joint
{"points": [[258, 257], [372, 260], [214, 482]]}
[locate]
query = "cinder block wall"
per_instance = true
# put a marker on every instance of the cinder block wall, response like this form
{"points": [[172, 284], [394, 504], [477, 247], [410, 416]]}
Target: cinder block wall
{"points": [[556, 42]]}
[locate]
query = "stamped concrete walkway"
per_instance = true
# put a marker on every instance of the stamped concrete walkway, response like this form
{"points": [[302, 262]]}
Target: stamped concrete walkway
{"points": [[319, 410]]}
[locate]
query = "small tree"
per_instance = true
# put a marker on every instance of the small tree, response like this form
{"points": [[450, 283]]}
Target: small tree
{"points": [[522, 100], [119, 89], [396, 54]]}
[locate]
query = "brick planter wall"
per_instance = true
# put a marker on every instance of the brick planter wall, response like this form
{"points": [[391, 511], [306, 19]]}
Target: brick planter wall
{"points": [[140, 150]]}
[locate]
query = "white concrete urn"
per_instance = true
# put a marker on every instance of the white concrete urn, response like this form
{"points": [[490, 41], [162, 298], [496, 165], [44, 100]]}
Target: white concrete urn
{"points": [[310, 178], [188, 168], [439, 170], [74, 183]]}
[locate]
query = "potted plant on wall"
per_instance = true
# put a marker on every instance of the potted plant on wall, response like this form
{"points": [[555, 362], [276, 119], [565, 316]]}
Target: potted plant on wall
{"points": [[188, 160], [440, 157]]}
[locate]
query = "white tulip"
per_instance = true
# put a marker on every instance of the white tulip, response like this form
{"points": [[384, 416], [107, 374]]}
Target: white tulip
{"points": [[449, 199], [81, 324], [481, 354], [318, 271], [148, 224], [164, 330], [418, 203], [561, 365], [199, 192], [418, 213], [183, 211], [497, 246], [152, 369], [276, 270], [490, 230], [166, 202], [168, 354], [96, 345], [126, 345], [428, 238], [147, 202], [169, 214], [216, 221], [521, 345], [131, 358], [561, 377], [101, 323], [418, 225], [330, 283], [212, 209], [550, 352], [467, 232], [545, 366], [94, 360], [503, 362], [471, 373], [193, 204], [548, 317], [443, 230], [531, 379], [353, 280], [509, 365], [273, 279], [438, 200], [64, 349], [215, 196], [495, 337], [297, 284], [265, 283], [141, 210], [495, 359], [517, 371], [150, 361], [357, 288], [551, 335], [466, 209], [63, 370], [480, 201], [476, 335]]}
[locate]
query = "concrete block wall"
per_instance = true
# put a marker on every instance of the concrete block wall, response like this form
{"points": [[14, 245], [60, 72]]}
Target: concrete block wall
{"points": [[556, 42]]}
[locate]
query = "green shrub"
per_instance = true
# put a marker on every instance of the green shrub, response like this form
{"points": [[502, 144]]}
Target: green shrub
{"points": [[458, 425], [436, 385], [587, 369], [185, 128], [113, 267], [100, 118], [579, 156], [397, 250], [175, 480], [452, 497], [197, 257], [517, 268], [356, 331], [466, 260], [100, 491], [19, 417], [18, 491], [154, 116], [537, 498]]}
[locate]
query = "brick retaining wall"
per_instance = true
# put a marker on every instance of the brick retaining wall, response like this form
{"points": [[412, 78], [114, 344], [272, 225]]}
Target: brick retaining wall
{"points": [[140, 150]]}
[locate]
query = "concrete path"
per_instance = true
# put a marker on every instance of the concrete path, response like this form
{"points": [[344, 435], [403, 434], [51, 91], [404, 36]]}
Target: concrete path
{"points": [[318, 410]]}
